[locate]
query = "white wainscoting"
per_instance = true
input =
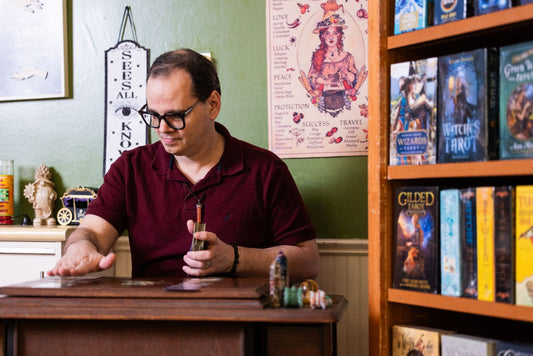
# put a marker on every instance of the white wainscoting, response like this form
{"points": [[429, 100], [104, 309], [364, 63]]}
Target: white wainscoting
{"points": [[343, 270], [123, 262]]}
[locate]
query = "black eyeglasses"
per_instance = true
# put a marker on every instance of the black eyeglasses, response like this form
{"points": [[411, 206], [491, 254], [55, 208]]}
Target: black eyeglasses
{"points": [[175, 120]]}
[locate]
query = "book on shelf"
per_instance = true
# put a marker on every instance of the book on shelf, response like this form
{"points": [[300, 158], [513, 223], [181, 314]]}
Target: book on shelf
{"points": [[467, 113], [482, 7], [451, 10], [410, 15], [485, 243], [413, 128], [516, 101], [416, 340], [514, 348], [504, 253], [462, 344], [524, 244], [450, 246], [468, 235], [416, 258]]}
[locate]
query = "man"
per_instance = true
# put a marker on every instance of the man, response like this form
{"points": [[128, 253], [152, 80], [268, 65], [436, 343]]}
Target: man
{"points": [[244, 194]]}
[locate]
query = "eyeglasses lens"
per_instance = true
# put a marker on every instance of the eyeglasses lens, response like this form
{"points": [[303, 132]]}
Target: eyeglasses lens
{"points": [[174, 121]]}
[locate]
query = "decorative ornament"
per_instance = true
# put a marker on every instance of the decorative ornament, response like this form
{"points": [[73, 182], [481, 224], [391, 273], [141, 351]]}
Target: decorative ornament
{"points": [[292, 297], [75, 203], [42, 194], [307, 294], [278, 280]]}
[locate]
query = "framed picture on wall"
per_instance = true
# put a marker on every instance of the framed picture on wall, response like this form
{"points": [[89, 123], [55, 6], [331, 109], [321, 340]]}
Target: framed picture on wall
{"points": [[317, 64], [33, 49]]}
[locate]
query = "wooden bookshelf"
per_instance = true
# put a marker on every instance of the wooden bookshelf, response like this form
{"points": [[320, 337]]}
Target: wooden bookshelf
{"points": [[493, 22], [388, 306], [463, 305], [511, 168]]}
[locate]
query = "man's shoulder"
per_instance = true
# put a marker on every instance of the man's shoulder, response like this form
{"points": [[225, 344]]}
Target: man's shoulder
{"points": [[256, 155], [240, 153], [148, 149], [139, 156], [257, 150]]}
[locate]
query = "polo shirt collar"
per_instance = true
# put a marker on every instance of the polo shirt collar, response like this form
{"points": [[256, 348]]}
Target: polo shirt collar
{"points": [[232, 161]]}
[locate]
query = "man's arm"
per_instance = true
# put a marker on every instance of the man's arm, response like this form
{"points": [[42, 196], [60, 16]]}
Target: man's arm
{"points": [[303, 260], [86, 247]]}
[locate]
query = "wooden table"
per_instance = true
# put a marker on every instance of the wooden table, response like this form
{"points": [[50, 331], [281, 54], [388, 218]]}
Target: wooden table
{"points": [[121, 316]]}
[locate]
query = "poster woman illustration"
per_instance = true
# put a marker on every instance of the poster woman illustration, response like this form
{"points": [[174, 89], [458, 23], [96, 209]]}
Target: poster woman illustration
{"points": [[333, 80]]}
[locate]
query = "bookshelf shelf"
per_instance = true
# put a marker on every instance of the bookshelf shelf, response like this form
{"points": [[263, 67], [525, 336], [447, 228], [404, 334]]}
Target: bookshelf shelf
{"points": [[510, 168], [494, 22], [388, 306], [462, 305]]}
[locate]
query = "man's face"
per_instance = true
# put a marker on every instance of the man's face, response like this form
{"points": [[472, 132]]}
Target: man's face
{"points": [[171, 94]]}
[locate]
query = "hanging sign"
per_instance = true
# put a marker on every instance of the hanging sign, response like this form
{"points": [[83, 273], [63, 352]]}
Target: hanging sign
{"points": [[126, 69]]}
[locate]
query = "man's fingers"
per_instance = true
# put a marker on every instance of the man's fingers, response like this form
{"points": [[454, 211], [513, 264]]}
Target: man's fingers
{"points": [[107, 261], [190, 226], [85, 265]]}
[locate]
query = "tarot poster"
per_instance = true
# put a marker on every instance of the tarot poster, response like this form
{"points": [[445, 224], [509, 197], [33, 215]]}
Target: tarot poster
{"points": [[317, 78]]}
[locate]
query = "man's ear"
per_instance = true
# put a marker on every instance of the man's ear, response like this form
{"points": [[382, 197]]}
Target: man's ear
{"points": [[214, 103]]}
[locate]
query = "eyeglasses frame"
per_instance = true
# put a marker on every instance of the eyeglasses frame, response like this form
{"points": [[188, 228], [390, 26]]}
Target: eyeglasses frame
{"points": [[181, 115]]}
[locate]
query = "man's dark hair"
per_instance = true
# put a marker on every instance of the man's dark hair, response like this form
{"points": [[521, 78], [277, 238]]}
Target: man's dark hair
{"points": [[202, 71]]}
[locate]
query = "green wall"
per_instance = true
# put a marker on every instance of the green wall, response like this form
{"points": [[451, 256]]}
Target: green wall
{"points": [[67, 134]]}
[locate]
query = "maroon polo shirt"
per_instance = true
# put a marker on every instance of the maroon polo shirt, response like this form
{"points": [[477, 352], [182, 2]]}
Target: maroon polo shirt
{"points": [[249, 199]]}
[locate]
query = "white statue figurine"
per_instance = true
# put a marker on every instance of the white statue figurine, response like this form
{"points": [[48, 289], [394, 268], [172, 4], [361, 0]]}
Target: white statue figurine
{"points": [[42, 194]]}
